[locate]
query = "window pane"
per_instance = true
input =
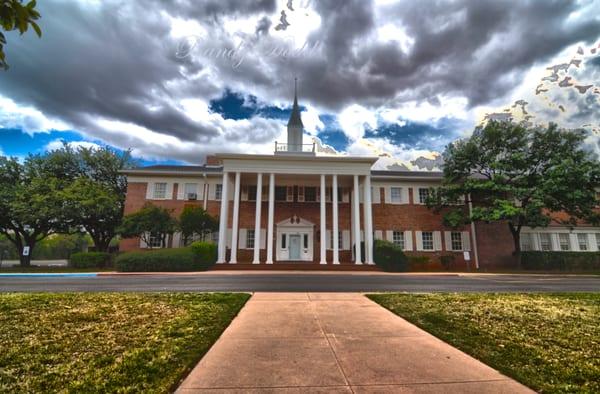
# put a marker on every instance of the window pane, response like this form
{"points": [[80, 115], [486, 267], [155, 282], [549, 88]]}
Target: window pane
{"points": [[310, 194], [423, 194], [545, 243], [396, 194], [250, 239], [280, 193], [155, 240], [218, 191], [252, 193], [160, 190], [456, 240], [582, 239], [305, 241], [564, 241], [283, 239], [427, 238], [598, 240], [525, 241], [398, 238]]}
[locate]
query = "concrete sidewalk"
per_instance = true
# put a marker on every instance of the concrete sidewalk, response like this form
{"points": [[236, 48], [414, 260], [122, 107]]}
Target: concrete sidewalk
{"points": [[335, 343]]}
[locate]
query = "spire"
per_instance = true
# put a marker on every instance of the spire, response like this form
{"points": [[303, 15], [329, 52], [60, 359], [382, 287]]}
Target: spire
{"points": [[295, 119]]}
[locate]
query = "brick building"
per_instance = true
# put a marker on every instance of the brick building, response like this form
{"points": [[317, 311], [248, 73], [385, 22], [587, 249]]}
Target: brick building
{"points": [[319, 209]]}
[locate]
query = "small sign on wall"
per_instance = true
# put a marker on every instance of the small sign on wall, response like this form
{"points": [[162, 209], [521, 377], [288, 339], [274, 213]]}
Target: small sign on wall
{"points": [[25, 250], [467, 256]]}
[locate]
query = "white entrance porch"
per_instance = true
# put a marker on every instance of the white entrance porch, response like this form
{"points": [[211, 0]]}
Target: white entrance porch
{"points": [[295, 240]]}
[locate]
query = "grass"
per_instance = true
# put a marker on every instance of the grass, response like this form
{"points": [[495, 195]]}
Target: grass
{"points": [[549, 342], [107, 342], [19, 270]]}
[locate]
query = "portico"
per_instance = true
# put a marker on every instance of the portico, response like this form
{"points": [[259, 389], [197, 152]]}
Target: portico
{"points": [[312, 203]]}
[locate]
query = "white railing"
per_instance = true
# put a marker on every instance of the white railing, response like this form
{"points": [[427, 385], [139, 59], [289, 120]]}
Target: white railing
{"points": [[294, 148]]}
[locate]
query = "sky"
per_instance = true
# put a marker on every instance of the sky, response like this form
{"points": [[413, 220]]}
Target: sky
{"points": [[177, 80]]}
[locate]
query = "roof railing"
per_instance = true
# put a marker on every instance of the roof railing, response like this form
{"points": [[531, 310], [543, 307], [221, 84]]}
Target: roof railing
{"points": [[294, 148]]}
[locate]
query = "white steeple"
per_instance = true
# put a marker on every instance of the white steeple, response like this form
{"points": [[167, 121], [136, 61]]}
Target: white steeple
{"points": [[295, 126]]}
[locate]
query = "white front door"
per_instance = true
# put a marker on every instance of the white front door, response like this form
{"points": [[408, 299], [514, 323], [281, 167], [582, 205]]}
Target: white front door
{"points": [[294, 247]]}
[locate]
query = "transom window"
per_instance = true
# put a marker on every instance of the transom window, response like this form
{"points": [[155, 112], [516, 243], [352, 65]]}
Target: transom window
{"points": [[582, 239], [563, 240], [160, 190], [398, 239], [427, 238], [250, 239], [423, 194], [218, 191], [456, 240], [396, 194], [545, 242]]}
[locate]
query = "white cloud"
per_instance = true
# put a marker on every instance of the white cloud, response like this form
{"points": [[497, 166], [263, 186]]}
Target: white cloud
{"points": [[311, 121], [58, 143], [353, 120], [27, 118]]}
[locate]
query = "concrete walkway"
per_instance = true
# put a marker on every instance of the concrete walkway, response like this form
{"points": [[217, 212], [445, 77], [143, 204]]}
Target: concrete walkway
{"points": [[335, 343]]}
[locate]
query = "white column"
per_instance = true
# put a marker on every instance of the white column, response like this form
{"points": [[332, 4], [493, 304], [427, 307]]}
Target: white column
{"points": [[271, 216], [323, 220], [335, 230], [257, 219], [356, 205], [236, 216], [222, 247], [368, 222]]}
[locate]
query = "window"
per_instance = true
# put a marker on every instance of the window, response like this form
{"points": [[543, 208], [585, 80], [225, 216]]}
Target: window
{"points": [[598, 241], [456, 240], [252, 193], [310, 194], [160, 190], [190, 191], [582, 240], [283, 239], [340, 241], [423, 194], [427, 238], [305, 241], [563, 240], [218, 191], [340, 197], [545, 242], [280, 193], [398, 239], [396, 194], [155, 240], [526, 242], [250, 239]]}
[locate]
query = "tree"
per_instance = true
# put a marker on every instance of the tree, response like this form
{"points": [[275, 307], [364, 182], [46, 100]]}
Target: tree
{"points": [[150, 221], [96, 195], [195, 220], [14, 15], [520, 175], [31, 207]]}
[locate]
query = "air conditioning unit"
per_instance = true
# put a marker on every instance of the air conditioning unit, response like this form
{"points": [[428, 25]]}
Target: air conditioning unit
{"points": [[192, 196]]}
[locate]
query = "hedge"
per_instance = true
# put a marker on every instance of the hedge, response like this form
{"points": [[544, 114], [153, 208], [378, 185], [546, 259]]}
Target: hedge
{"points": [[90, 260], [560, 261], [177, 259], [389, 256], [205, 252]]}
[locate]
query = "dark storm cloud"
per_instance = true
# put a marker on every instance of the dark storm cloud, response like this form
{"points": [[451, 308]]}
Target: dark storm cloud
{"points": [[117, 61]]}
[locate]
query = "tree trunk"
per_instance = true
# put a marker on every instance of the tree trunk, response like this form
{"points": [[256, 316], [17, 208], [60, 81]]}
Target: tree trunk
{"points": [[516, 234], [25, 260], [101, 243]]}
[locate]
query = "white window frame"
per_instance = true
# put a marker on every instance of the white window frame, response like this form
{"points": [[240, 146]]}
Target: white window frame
{"points": [[155, 190], [396, 199], [454, 242], [186, 192], [546, 247], [423, 240], [218, 191], [398, 238], [154, 241], [561, 237], [583, 237], [421, 200], [250, 237]]}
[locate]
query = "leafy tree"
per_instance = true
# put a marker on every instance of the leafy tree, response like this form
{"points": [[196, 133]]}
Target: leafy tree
{"points": [[96, 195], [149, 221], [195, 220], [31, 207], [14, 15], [523, 176]]}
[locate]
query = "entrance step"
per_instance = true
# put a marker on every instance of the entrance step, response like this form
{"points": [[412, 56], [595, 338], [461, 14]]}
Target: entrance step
{"points": [[304, 266]]}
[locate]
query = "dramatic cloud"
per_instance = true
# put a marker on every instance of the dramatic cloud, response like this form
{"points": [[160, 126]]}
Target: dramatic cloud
{"points": [[181, 79]]}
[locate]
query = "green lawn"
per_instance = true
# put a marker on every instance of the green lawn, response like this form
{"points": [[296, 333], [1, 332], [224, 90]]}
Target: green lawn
{"points": [[107, 342], [549, 342]]}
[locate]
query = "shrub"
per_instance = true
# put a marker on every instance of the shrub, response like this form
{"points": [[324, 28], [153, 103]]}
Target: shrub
{"points": [[177, 259], [560, 261], [418, 263], [90, 260], [389, 256], [205, 252], [448, 261]]}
